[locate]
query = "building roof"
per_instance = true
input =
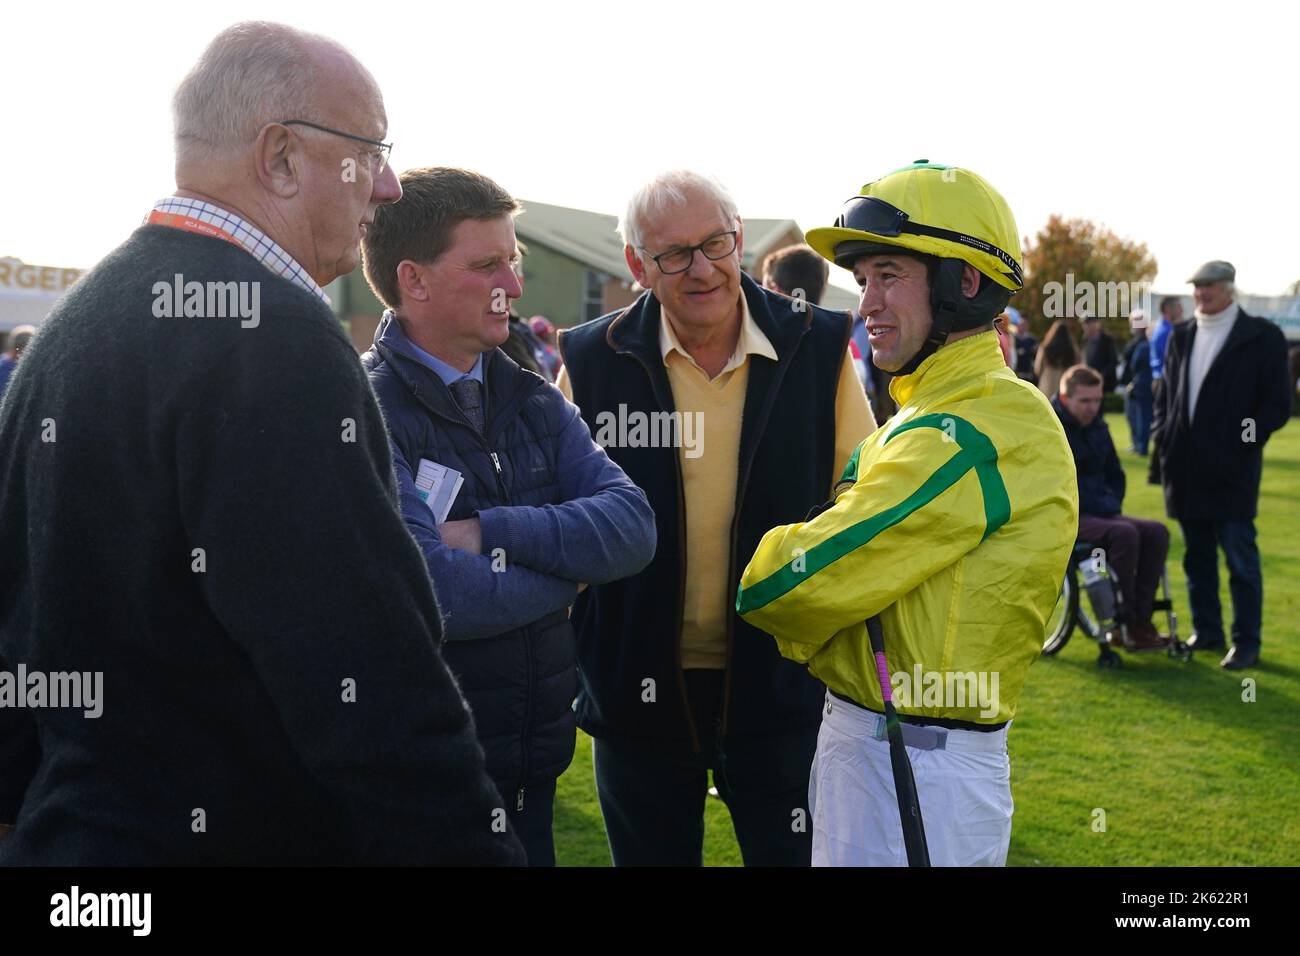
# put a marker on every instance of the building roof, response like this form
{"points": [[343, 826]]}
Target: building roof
{"points": [[592, 237], [589, 237]]}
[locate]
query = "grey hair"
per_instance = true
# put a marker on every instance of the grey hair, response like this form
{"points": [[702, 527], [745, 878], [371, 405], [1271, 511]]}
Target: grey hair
{"points": [[20, 336], [251, 74], [667, 190]]}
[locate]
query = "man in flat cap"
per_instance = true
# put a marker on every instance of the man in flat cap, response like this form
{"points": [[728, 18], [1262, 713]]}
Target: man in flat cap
{"points": [[1224, 392]]}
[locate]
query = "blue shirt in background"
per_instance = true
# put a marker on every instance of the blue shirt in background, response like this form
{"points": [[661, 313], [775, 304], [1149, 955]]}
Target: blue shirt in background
{"points": [[7, 366]]}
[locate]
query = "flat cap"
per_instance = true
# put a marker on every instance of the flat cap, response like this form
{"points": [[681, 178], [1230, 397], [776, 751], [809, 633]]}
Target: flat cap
{"points": [[1214, 271]]}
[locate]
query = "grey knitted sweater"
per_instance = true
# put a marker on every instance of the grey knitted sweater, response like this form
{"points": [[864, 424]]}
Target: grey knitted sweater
{"points": [[202, 510]]}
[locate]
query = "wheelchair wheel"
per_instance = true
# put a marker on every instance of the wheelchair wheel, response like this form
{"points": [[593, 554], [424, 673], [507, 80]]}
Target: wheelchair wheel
{"points": [[1060, 623], [1090, 625]]}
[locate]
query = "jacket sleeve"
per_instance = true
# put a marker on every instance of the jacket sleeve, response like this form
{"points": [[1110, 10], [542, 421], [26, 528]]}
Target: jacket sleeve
{"points": [[19, 754], [602, 530], [1273, 393], [479, 595], [313, 575], [1162, 412], [1159, 340], [1116, 482], [918, 509]]}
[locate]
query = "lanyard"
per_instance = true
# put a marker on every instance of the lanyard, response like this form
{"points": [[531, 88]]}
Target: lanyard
{"points": [[190, 224]]}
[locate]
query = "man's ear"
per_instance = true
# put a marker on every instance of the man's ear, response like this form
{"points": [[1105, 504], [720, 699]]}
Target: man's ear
{"points": [[412, 282], [970, 281], [278, 161], [635, 265]]}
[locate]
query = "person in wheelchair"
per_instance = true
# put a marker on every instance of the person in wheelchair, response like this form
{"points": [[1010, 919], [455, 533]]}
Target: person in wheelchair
{"points": [[1135, 547]]}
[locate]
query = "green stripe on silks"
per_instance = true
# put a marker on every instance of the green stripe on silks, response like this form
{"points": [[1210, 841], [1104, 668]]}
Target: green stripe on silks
{"points": [[974, 451], [851, 468], [787, 578], [997, 506]]}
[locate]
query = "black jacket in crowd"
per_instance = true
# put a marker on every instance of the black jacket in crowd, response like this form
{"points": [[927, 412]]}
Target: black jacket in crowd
{"points": [[630, 630], [205, 513], [1211, 466], [1026, 351], [1101, 355], [1101, 477], [1135, 370]]}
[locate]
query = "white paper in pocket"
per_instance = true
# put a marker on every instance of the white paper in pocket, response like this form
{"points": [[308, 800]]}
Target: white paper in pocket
{"points": [[438, 485]]}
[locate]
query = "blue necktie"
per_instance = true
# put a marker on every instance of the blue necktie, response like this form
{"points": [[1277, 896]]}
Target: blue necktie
{"points": [[468, 393]]}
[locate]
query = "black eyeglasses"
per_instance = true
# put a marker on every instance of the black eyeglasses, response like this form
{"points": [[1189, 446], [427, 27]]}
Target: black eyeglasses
{"points": [[384, 148], [869, 214], [680, 259]]}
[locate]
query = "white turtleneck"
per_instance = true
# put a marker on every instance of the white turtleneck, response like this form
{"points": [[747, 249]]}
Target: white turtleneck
{"points": [[1211, 332]]}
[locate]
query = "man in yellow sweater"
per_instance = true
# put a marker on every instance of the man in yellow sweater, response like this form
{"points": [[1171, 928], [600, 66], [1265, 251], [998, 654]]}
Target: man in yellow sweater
{"points": [[733, 408], [953, 523]]}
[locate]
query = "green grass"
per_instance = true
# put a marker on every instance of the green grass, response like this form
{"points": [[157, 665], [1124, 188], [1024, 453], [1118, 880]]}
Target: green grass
{"points": [[1186, 772], [580, 834]]}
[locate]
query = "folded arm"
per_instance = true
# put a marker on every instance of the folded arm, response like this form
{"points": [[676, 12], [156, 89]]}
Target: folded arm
{"points": [[481, 595], [603, 529], [927, 501]]}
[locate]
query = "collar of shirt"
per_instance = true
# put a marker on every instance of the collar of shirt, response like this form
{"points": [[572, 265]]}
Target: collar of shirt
{"points": [[752, 341], [448, 373], [253, 240], [972, 356]]}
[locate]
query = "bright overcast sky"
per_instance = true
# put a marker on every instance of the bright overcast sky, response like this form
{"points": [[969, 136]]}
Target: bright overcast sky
{"points": [[1173, 124]]}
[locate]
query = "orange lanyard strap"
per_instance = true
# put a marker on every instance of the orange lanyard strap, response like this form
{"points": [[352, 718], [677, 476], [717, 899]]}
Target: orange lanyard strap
{"points": [[189, 224]]}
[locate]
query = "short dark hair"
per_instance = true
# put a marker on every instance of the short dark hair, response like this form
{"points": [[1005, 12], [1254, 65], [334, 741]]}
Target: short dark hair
{"points": [[435, 200], [798, 267], [1080, 375], [1168, 301]]}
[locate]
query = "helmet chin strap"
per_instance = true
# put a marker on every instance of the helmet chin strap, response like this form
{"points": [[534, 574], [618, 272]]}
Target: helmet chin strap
{"points": [[953, 311]]}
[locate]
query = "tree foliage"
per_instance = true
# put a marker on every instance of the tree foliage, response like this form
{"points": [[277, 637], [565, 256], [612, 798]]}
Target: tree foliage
{"points": [[1089, 253]]}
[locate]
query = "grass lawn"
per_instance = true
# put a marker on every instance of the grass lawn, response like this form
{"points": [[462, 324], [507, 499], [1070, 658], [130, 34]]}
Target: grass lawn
{"points": [[1186, 772]]}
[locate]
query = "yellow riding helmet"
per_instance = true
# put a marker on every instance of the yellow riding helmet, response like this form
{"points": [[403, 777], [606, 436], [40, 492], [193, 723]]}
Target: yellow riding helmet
{"points": [[934, 210]]}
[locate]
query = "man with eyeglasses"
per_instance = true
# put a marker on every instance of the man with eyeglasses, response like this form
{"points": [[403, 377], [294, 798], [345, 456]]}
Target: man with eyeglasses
{"points": [[199, 512], [765, 409]]}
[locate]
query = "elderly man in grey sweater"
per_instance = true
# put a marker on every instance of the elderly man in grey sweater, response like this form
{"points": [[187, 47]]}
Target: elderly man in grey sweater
{"points": [[198, 517]]}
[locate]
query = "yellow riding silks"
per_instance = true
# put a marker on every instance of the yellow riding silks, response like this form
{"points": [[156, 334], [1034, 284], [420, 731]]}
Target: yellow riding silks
{"points": [[956, 530]]}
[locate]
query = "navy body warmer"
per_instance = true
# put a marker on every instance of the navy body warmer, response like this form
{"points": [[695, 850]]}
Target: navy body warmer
{"points": [[629, 631]]}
